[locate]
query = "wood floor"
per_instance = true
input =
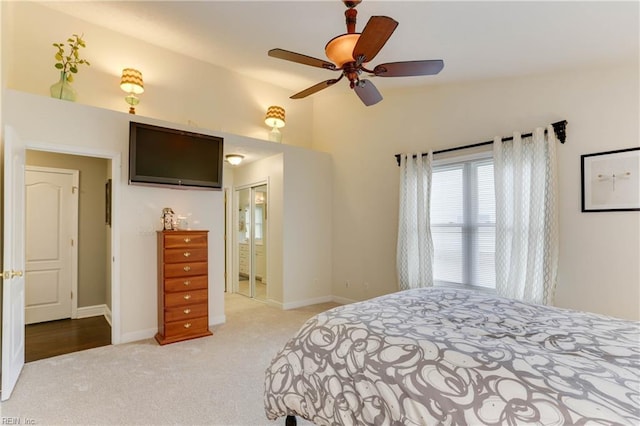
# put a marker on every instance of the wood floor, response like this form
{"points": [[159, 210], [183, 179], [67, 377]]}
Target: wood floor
{"points": [[48, 339]]}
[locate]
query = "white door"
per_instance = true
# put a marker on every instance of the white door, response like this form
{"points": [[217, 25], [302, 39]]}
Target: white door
{"points": [[13, 261], [51, 243]]}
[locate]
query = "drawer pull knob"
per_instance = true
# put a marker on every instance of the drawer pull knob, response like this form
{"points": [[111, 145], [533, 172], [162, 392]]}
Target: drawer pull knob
{"points": [[187, 325], [187, 254], [187, 296], [187, 282], [187, 240], [187, 311], [187, 268]]}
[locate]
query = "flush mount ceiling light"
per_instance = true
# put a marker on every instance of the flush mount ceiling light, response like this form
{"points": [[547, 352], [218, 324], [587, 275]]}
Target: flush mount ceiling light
{"points": [[234, 159]]}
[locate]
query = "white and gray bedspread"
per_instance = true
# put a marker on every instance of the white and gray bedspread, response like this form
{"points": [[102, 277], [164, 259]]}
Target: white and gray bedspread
{"points": [[443, 356]]}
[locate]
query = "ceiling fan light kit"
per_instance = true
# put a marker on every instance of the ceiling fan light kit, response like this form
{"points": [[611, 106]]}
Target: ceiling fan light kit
{"points": [[350, 52], [340, 49]]}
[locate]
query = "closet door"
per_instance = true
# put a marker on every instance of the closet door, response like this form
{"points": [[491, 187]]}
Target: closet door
{"points": [[259, 238], [244, 242]]}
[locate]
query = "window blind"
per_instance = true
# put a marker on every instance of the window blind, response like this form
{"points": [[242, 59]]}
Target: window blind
{"points": [[463, 223]]}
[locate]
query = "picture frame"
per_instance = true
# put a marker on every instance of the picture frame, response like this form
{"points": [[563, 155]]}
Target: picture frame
{"points": [[610, 181], [107, 204]]}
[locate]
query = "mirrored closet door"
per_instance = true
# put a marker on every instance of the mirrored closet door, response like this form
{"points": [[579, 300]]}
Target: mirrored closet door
{"points": [[252, 242]]}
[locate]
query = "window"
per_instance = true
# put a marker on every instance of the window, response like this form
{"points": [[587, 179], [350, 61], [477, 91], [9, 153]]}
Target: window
{"points": [[463, 222]]}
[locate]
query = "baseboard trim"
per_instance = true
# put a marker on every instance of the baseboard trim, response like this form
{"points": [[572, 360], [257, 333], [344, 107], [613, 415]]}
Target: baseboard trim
{"points": [[220, 319], [107, 315], [274, 304], [307, 302], [92, 311], [138, 335], [342, 300]]}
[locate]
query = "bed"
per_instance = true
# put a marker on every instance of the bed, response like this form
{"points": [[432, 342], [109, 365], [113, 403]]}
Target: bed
{"points": [[456, 357]]}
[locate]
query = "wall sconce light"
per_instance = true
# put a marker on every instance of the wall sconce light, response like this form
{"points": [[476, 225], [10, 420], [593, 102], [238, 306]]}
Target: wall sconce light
{"points": [[275, 120], [234, 159], [131, 83]]}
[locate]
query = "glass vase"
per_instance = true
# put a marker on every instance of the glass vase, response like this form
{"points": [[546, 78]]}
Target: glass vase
{"points": [[63, 89]]}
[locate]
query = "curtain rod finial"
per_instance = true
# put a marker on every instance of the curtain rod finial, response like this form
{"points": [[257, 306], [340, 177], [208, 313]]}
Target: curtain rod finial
{"points": [[560, 129]]}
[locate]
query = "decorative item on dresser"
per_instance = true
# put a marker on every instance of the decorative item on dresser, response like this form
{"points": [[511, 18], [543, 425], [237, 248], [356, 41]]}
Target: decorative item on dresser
{"points": [[183, 307]]}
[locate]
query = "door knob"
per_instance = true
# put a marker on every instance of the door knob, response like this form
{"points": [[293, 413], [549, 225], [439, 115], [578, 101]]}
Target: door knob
{"points": [[7, 275]]}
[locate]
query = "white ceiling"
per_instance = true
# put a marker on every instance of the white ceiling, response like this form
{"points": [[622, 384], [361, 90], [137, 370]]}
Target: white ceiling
{"points": [[476, 40]]}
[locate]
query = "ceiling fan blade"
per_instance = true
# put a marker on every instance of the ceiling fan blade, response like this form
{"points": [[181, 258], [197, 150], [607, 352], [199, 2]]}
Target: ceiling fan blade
{"points": [[315, 88], [367, 92], [373, 37], [301, 59], [409, 68]]}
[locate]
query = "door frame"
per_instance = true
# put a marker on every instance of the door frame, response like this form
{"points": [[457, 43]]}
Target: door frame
{"points": [[74, 227], [116, 176], [235, 249]]}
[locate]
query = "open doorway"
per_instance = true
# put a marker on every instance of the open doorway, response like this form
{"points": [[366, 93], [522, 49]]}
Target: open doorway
{"points": [[68, 301]]}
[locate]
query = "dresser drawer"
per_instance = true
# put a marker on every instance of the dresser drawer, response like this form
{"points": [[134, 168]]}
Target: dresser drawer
{"points": [[187, 254], [186, 269], [185, 240], [185, 284], [188, 312], [186, 328], [185, 298]]}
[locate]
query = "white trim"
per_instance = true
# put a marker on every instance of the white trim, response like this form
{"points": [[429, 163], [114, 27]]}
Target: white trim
{"points": [[307, 302], [274, 304], [343, 300], [234, 249], [138, 335], [116, 176], [217, 320], [107, 314], [92, 311]]}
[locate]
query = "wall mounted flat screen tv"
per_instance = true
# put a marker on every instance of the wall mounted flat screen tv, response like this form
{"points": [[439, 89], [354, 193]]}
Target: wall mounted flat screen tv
{"points": [[174, 158]]}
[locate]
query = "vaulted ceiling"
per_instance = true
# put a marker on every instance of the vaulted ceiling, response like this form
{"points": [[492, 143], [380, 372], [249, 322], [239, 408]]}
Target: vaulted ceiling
{"points": [[476, 40]]}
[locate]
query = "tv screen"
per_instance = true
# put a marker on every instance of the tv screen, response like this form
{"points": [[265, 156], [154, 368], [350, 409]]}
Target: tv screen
{"points": [[175, 158]]}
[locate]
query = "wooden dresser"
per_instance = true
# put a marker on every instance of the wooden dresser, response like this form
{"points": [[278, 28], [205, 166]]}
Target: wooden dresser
{"points": [[183, 305]]}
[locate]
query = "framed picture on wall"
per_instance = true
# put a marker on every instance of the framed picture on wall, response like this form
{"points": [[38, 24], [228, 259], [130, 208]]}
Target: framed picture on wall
{"points": [[611, 181]]}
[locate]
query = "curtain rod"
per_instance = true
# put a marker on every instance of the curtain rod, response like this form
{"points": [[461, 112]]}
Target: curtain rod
{"points": [[559, 128]]}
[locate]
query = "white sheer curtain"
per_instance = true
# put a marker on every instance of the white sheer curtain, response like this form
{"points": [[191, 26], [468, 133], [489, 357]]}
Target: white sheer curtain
{"points": [[415, 246], [526, 216]]}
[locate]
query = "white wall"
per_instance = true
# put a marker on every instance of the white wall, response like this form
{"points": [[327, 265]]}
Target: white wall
{"points": [[299, 227], [307, 228], [599, 255], [178, 89], [270, 170], [69, 125]]}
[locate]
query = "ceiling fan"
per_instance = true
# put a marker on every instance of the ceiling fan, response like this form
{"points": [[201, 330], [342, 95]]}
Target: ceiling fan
{"points": [[350, 53]]}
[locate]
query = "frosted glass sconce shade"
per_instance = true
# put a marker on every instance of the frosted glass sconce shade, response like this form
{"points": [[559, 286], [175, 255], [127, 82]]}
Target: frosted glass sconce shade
{"points": [[234, 159]]}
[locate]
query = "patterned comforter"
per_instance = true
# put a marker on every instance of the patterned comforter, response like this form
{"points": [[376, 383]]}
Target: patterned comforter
{"points": [[442, 356]]}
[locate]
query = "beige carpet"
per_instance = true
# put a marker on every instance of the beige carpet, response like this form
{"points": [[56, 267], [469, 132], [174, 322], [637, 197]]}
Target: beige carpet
{"points": [[215, 380]]}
